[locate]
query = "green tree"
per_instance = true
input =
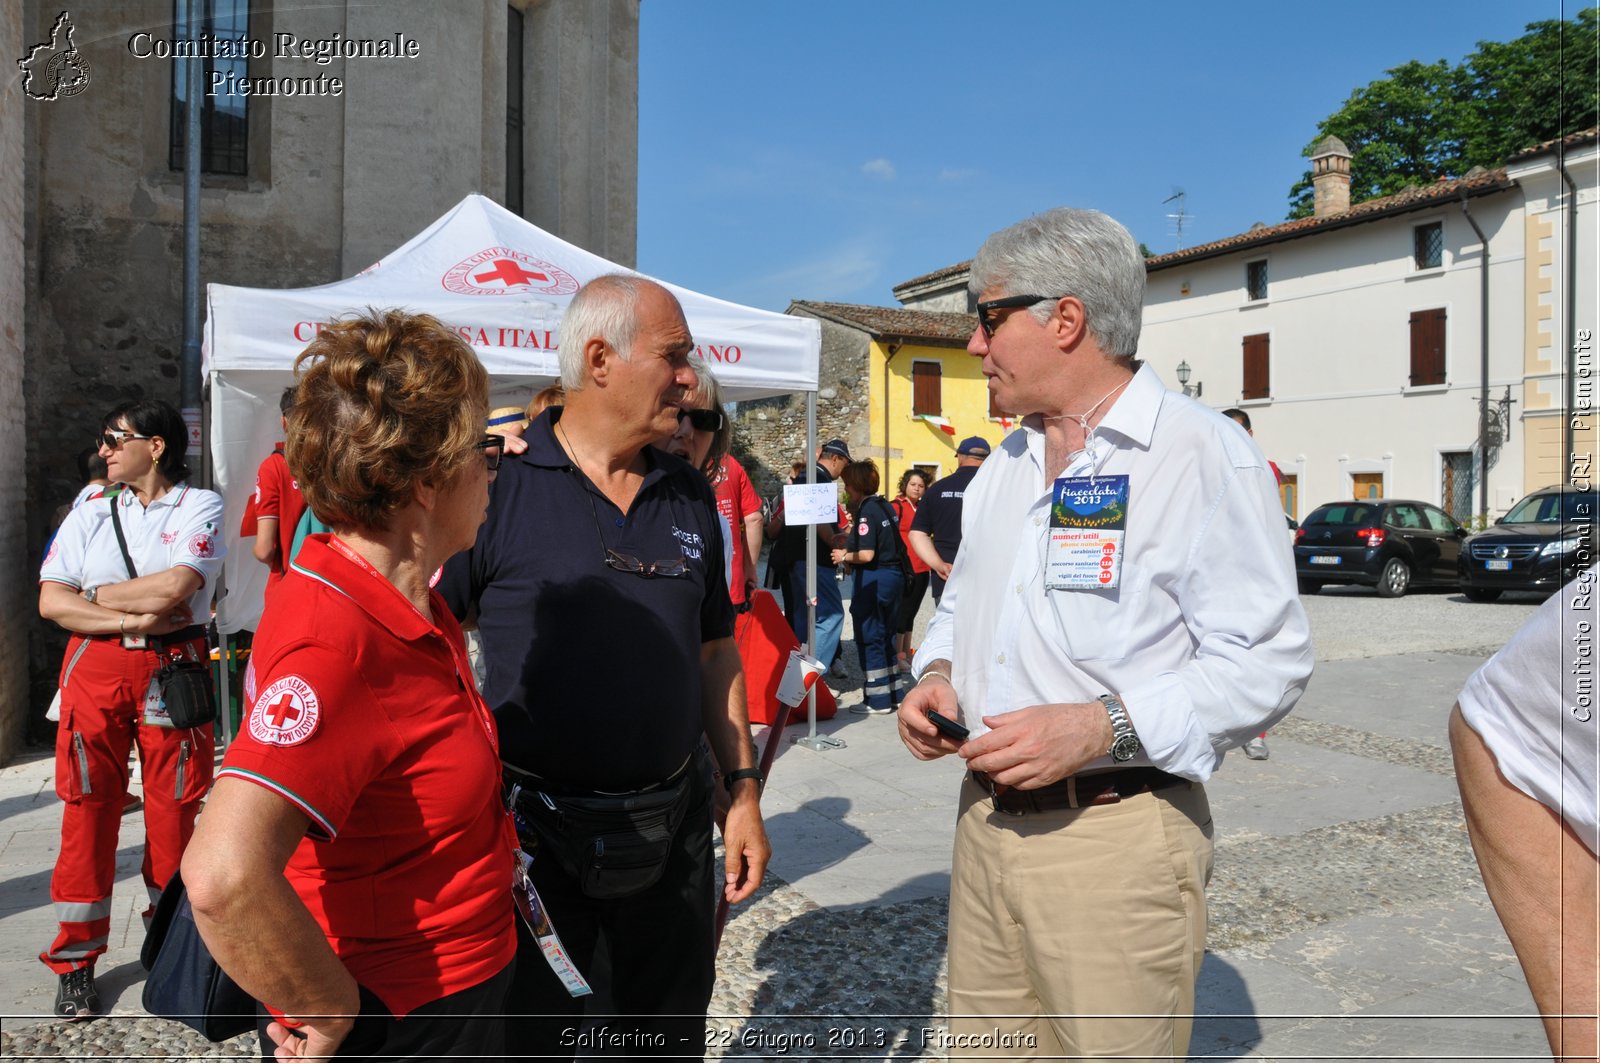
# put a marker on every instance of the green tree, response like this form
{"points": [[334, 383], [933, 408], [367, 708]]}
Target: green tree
{"points": [[1424, 121]]}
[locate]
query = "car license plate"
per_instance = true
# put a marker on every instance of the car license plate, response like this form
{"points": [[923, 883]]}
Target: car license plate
{"points": [[1497, 566], [1326, 559]]}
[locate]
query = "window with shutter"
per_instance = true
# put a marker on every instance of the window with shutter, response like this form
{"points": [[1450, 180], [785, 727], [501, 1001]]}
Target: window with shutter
{"points": [[995, 412], [1427, 347], [926, 394], [1257, 378]]}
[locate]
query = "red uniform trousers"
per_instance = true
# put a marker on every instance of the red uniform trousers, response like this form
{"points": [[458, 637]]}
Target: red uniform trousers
{"points": [[103, 690]]}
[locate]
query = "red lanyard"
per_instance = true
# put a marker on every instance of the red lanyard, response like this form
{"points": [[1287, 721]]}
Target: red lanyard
{"points": [[457, 652]]}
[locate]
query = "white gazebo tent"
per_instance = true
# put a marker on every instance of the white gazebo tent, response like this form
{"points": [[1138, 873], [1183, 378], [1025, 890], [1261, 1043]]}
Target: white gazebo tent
{"points": [[503, 283]]}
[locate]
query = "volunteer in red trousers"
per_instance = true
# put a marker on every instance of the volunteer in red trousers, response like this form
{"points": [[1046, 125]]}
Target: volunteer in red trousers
{"points": [[124, 628], [353, 869]]}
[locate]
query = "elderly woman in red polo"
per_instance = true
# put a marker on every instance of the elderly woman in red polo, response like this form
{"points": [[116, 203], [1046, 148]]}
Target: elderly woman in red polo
{"points": [[353, 865]]}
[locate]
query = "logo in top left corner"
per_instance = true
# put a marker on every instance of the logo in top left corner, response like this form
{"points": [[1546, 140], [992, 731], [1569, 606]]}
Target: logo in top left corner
{"points": [[55, 68]]}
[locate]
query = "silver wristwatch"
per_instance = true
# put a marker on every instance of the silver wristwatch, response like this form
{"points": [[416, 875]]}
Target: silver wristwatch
{"points": [[1124, 741], [91, 593]]}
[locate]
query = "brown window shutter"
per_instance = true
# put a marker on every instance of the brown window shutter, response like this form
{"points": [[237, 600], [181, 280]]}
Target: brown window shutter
{"points": [[1257, 381], [994, 411], [926, 396], [1427, 347]]}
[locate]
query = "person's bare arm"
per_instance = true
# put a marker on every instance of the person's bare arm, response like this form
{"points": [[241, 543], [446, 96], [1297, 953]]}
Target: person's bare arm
{"points": [[70, 609], [752, 545], [265, 547], [922, 546], [254, 923], [727, 727], [156, 593], [1542, 882]]}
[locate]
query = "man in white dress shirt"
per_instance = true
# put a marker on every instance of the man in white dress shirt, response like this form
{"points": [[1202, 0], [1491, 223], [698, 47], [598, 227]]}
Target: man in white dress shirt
{"points": [[1128, 613]]}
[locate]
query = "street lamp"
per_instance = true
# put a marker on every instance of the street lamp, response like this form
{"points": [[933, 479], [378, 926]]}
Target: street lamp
{"points": [[1183, 379]]}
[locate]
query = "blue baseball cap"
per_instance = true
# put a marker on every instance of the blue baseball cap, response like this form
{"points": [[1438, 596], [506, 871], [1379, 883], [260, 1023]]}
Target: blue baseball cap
{"points": [[973, 447]]}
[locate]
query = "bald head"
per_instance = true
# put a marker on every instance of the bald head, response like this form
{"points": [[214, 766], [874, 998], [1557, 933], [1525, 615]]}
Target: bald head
{"points": [[608, 308]]}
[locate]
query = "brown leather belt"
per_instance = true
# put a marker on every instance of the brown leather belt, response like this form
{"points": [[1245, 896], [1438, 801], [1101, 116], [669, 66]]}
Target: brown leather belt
{"points": [[1076, 791]]}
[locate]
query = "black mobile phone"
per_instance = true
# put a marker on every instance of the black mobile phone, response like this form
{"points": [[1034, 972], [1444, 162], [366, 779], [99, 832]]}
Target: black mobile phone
{"points": [[947, 726]]}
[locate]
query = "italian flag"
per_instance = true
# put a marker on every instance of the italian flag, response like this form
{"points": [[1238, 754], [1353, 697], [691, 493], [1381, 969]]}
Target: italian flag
{"points": [[938, 422]]}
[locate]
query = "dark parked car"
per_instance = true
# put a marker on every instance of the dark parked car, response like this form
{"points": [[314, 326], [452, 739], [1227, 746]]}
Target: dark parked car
{"points": [[1538, 546], [1390, 543]]}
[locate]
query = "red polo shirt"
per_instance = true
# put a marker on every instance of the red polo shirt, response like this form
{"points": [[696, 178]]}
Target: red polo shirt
{"points": [[365, 718], [277, 495], [736, 499]]}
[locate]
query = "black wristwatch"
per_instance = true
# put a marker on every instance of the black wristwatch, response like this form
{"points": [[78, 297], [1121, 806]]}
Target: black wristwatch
{"points": [[743, 773]]}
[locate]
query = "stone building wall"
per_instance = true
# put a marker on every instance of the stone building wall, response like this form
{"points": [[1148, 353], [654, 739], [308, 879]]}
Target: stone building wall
{"points": [[15, 600], [769, 434], [333, 183]]}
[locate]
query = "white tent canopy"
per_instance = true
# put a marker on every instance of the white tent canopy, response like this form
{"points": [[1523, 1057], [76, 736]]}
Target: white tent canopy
{"points": [[499, 280]]}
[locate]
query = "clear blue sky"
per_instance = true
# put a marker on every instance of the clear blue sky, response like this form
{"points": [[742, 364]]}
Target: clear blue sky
{"points": [[822, 149]]}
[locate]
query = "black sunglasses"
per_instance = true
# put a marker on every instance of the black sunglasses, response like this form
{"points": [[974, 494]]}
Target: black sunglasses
{"points": [[622, 562], [493, 448], [987, 325], [112, 438], [703, 420]]}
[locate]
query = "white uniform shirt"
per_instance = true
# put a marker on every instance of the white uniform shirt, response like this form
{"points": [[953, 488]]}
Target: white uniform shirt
{"points": [[1534, 706], [182, 527], [1204, 639]]}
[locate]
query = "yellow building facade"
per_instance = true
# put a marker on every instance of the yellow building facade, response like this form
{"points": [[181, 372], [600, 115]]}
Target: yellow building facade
{"points": [[899, 436]]}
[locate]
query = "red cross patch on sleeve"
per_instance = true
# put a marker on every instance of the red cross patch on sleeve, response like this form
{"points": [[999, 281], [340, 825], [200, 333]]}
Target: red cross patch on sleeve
{"points": [[286, 713]]}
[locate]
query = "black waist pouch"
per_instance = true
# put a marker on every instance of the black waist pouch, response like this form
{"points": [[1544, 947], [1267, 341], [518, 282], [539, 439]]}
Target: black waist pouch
{"points": [[186, 689], [614, 846]]}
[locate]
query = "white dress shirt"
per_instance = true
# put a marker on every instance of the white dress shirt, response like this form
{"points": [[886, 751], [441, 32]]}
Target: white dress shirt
{"points": [[1204, 638]]}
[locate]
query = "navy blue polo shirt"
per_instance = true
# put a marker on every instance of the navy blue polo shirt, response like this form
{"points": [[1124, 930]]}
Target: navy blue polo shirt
{"points": [[939, 515], [875, 528], [593, 673]]}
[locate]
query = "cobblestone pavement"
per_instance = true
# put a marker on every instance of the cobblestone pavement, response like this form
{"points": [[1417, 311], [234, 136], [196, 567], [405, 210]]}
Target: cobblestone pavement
{"points": [[1347, 918]]}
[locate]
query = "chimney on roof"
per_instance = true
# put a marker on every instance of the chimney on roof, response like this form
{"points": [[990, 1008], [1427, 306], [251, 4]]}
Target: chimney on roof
{"points": [[1330, 177]]}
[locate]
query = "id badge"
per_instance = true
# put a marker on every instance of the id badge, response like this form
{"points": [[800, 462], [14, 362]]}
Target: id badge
{"points": [[534, 916], [155, 706], [1088, 520]]}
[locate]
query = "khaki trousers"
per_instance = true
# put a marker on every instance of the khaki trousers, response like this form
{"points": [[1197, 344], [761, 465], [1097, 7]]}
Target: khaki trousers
{"points": [[1078, 932]]}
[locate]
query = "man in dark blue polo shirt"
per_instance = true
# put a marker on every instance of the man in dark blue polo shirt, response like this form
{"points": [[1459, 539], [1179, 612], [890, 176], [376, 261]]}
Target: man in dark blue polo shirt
{"points": [[597, 584], [936, 529]]}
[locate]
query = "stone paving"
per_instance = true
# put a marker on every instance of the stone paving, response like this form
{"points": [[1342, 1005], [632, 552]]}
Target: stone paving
{"points": [[1347, 918]]}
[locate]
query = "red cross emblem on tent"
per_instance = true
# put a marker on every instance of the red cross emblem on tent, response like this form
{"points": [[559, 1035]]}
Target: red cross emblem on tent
{"points": [[286, 713], [507, 271]]}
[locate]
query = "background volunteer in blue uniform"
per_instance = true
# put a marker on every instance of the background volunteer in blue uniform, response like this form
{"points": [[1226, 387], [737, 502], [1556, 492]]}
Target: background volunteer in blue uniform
{"points": [[872, 550], [936, 529]]}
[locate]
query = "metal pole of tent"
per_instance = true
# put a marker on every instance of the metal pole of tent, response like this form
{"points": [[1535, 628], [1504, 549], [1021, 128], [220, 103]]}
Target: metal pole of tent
{"points": [[812, 740], [190, 390]]}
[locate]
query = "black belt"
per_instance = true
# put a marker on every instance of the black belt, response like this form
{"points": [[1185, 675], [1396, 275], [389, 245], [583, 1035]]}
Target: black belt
{"points": [[1077, 791], [515, 776], [180, 637]]}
